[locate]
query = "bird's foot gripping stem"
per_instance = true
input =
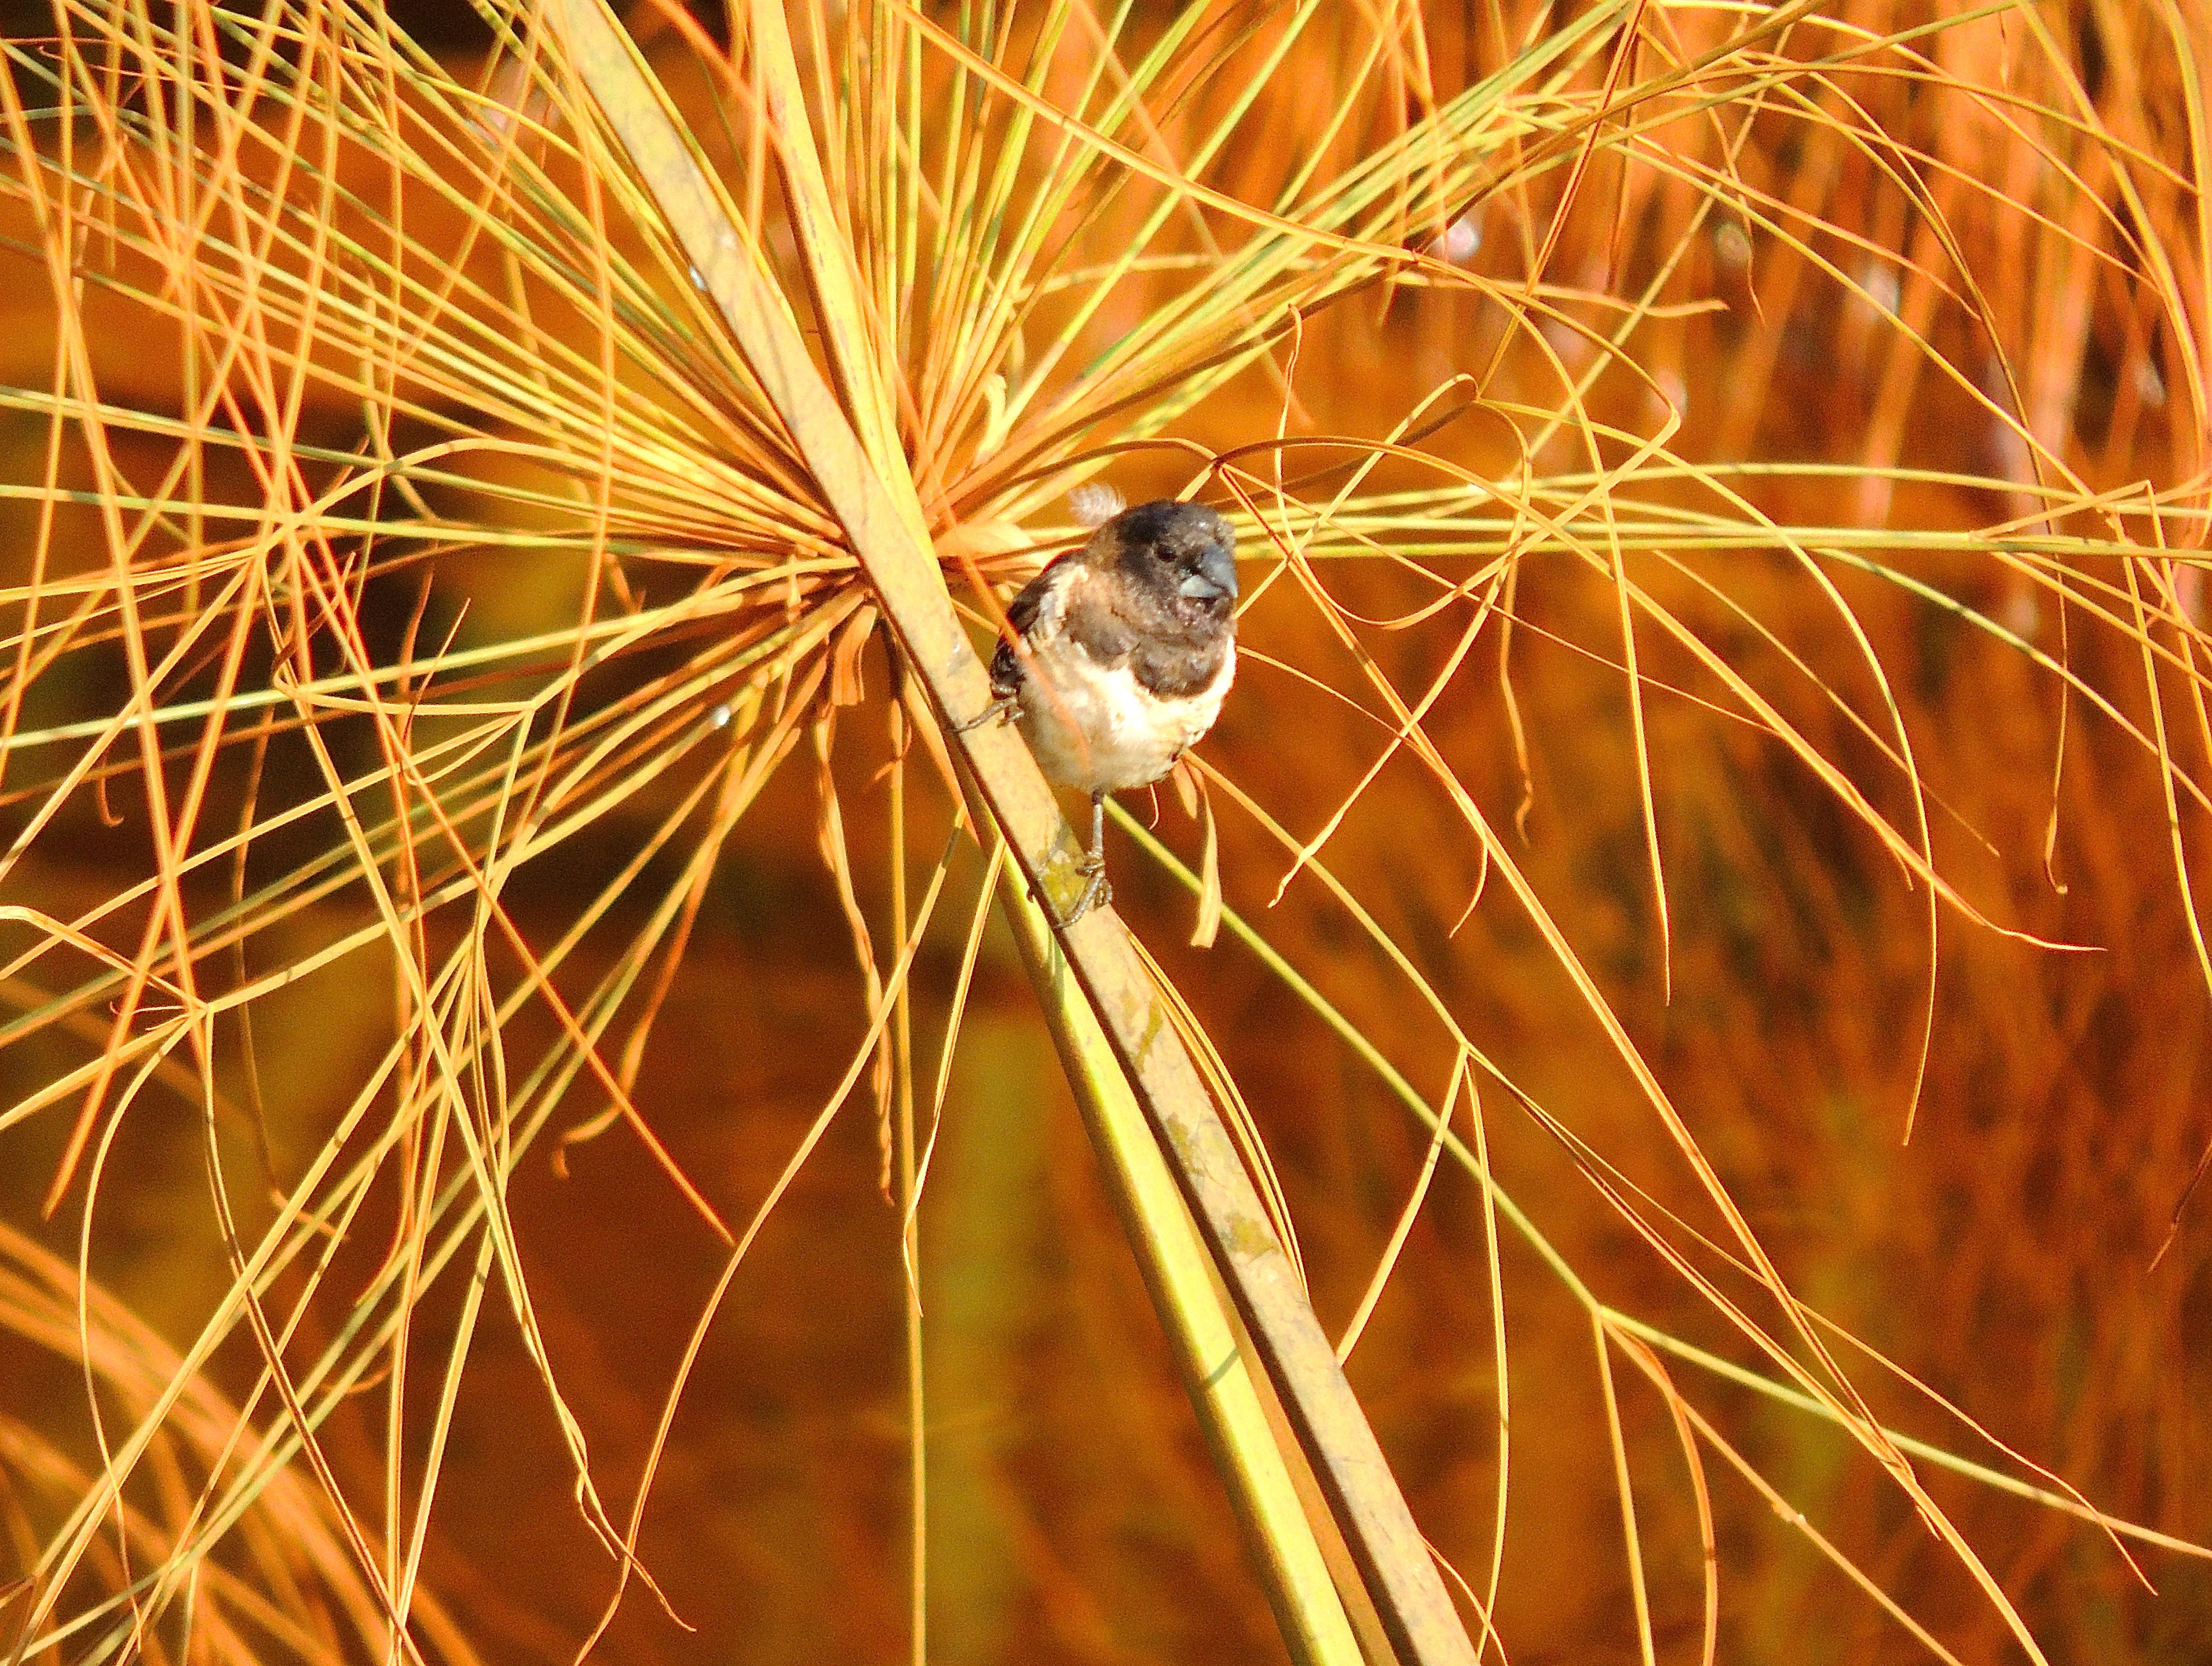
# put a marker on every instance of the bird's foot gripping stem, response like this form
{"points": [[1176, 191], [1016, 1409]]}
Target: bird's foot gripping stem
{"points": [[1004, 709], [1096, 891]]}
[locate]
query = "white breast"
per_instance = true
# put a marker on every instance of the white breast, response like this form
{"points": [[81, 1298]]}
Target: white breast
{"points": [[1100, 729]]}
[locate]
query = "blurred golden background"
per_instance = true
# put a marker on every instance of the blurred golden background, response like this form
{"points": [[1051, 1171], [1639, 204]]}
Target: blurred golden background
{"points": [[1971, 285]]}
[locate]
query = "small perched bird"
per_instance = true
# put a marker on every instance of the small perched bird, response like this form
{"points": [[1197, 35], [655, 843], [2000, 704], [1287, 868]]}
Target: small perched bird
{"points": [[1125, 648]]}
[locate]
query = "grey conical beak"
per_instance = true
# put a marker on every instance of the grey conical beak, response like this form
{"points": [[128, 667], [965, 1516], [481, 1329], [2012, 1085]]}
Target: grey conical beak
{"points": [[1216, 575]]}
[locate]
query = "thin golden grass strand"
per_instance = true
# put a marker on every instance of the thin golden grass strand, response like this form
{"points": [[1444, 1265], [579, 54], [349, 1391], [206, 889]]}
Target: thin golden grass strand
{"points": [[1625, 1491], [1357, 1324], [862, 1054]]}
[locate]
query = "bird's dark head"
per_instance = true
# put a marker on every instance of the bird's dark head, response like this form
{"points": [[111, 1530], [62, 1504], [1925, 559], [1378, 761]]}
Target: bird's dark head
{"points": [[1184, 551]]}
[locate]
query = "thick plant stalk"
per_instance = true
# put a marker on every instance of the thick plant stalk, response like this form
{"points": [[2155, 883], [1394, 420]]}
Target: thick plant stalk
{"points": [[882, 518], [1278, 1536]]}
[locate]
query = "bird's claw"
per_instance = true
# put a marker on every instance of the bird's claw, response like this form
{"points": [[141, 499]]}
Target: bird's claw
{"points": [[1096, 892], [1001, 709]]}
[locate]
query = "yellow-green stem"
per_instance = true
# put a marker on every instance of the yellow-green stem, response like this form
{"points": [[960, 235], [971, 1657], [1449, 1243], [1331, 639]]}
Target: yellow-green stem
{"points": [[1178, 1274], [910, 1215]]}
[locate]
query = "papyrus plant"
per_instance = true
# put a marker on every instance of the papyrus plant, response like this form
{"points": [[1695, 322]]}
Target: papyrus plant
{"points": [[431, 464]]}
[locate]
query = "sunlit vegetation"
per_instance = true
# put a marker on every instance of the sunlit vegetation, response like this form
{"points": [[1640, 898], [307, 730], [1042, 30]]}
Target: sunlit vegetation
{"points": [[526, 1128]]}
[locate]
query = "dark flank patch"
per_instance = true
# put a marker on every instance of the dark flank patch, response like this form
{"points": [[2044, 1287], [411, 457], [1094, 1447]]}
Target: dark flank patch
{"points": [[1021, 613], [1006, 672]]}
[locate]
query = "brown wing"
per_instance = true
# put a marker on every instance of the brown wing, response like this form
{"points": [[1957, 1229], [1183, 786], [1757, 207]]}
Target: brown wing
{"points": [[1096, 618], [1087, 617]]}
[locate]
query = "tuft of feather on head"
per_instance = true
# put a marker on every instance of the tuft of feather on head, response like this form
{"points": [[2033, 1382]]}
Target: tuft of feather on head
{"points": [[1094, 503]]}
